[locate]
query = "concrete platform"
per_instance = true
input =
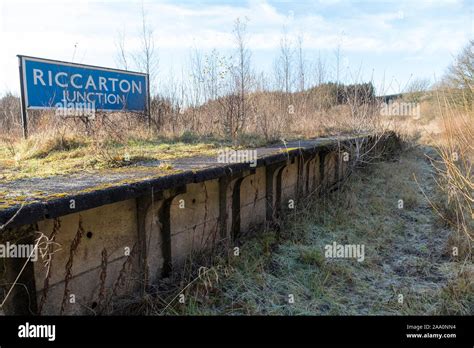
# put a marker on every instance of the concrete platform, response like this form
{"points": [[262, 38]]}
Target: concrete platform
{"points": [[119, 232]]}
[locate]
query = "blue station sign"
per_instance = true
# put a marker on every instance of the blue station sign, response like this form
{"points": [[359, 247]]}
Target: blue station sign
{"points": [[49, 84]]}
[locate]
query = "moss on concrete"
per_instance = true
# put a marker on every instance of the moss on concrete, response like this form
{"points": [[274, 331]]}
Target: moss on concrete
{"points": [[16, 163]]}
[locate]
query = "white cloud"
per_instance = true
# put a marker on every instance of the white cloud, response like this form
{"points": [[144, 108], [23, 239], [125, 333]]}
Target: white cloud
{"points": [[52, 28]]}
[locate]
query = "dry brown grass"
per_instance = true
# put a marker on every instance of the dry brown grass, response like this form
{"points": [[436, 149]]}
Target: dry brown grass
{"points": [[109, 139], [455, 146], [62, 150]]}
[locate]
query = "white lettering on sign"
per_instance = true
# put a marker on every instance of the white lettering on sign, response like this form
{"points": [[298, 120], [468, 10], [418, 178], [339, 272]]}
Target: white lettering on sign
{"points": [[56, 79], [38, 75], [73, 77], [102, 83], [90, 82], [92, 97], [63, 80]]}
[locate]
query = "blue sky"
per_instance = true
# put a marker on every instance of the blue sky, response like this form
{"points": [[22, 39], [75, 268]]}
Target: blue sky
{"points": [[391, 42]]}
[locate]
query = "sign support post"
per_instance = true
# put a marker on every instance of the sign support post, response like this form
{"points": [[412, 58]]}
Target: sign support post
{"points": [[24, 111], [148, 101]]}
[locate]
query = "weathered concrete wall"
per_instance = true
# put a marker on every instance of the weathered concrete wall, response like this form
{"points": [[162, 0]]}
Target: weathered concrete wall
{"points": [[154, 241], [330, 170], [253, 200], [71, 284], [194, 224], [129, 245], [314, 177], [289, 182]]}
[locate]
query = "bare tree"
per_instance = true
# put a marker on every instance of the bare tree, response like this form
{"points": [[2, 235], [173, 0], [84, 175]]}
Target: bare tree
{"points": [[146, 59], [461, 72], [301, 65], [196, 74], [337, 56], [121, 58], [418, 85], [459, 78], [416, 89], [284, 63], [216, 69], [320, 70], [207, 73], [242, 75]]}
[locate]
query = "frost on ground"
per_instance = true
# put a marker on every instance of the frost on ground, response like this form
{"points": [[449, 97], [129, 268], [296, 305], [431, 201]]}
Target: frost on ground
{"points": [[408, 268]]}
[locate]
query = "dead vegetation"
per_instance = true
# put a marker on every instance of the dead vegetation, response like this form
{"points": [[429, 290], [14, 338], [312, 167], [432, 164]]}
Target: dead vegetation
{"points": [[117, 140]]}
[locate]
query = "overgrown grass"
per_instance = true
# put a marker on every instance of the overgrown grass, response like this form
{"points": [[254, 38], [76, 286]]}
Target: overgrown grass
{"points": [[60, 151], [455, 169], [53, 154]]}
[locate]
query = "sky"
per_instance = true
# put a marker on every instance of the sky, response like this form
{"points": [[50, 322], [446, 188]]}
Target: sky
{"points": [[388, 42]]}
